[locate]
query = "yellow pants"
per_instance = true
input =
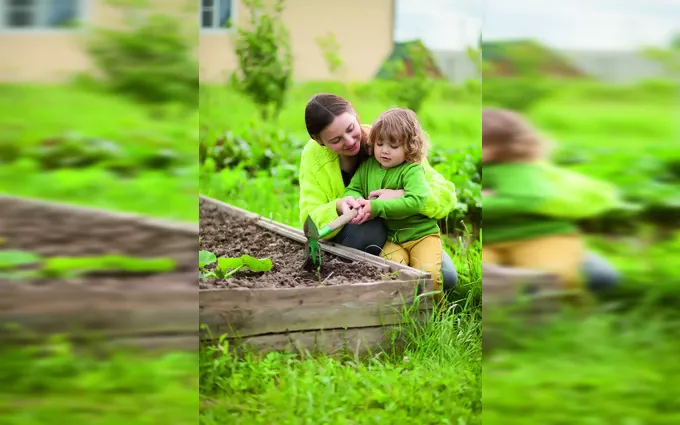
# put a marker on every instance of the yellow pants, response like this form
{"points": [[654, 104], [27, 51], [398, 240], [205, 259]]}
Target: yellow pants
{"points": [[561, 255], [424, 254]]}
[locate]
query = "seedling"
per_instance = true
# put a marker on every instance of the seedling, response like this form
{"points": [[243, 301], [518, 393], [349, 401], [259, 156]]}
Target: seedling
{"points": [[226, 266]]}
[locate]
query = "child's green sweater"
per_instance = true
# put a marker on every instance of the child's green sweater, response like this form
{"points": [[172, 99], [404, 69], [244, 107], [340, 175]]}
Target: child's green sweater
{"points": [[402, 215], [533, 200]]}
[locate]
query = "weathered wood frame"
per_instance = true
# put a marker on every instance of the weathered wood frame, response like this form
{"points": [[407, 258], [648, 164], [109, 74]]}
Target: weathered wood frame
{"points": [[527, 297], [355, 317], [151, 315]]}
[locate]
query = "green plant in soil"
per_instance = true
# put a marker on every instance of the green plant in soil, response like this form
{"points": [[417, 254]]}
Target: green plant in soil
{"points": [[227, 267]]}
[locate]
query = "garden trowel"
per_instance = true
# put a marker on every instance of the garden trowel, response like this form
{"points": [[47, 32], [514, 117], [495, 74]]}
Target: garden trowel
{"points": [[313, 235]]}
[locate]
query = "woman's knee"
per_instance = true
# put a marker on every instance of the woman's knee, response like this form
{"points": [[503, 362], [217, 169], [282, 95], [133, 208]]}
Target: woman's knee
{"points": [[369, 236]]}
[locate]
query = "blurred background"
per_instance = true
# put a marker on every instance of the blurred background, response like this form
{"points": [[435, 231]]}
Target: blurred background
{"points": [[98, 109], [600, 79]]}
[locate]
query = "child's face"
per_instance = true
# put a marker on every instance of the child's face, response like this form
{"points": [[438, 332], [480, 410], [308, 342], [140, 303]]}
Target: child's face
{"points": [[388, 155]]}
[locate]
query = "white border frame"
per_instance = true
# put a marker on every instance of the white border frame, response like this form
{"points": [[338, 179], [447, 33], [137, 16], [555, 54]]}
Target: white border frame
{"points": [[232, 29], [84, 18]]}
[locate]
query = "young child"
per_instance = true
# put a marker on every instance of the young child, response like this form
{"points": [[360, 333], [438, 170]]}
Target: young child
{"points": [[397, 145], [529, 205]]}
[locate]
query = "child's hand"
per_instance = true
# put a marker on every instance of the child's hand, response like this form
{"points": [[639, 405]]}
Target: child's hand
{"points": [[386, 194], [364, 211], [487, 192]]}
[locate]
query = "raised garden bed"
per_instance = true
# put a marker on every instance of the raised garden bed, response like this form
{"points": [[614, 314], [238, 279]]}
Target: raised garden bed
{"points": [[350, 303], [527, 296], [154, 307]]}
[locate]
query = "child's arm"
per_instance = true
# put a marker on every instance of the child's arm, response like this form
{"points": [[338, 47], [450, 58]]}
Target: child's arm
{"points": [[443, 194], [356, 186], [416, 192]]}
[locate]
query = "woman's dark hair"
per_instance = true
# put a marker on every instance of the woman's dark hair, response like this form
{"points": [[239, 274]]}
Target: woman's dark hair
{"points": [[321, 110]]}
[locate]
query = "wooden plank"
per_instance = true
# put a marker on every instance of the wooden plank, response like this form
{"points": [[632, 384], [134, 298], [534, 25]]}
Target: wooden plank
{"points": [[247, 312], [230, 208], [506, 284], [81, 310], [15, 202], [355, 341]]}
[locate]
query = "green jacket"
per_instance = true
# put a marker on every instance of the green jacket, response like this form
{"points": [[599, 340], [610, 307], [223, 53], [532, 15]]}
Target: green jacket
{"points": [[402, 215], [539, 199], [321, 186]]}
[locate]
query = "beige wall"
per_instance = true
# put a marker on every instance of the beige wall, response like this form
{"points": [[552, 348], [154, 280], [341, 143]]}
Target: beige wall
{"points": [[363, 28], [54, 55]]}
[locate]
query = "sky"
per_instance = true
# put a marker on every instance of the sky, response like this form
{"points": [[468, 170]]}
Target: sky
{"points": [[604, 25]]}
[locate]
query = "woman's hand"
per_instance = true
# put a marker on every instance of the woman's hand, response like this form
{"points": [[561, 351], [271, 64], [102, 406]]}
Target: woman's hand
{"points": [[386, 194], [346, 204]]}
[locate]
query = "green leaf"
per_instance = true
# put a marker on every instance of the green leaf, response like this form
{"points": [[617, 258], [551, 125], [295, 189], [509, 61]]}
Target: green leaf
{"points": [[15, 258], [257, 265], [225, 264], [205, 258]]}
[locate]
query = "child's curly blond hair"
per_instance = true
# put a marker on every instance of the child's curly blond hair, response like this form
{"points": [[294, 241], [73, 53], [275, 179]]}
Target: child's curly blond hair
{"points": [[510, 137], [400, 126]]}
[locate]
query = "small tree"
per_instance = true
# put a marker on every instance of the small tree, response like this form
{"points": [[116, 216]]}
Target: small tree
{"points": [[150, 59], [412, 75], [264, 57], [330, 49]]}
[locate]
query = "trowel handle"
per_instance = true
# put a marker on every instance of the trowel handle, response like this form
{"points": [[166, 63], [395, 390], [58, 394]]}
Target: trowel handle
{"points": [[337, 223]]}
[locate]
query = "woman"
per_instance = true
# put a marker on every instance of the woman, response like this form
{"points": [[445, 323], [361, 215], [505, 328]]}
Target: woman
{"points": [[328, 163]]}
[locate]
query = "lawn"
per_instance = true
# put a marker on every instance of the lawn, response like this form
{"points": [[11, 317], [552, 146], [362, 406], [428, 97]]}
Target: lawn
{"points": [[73, 144]]}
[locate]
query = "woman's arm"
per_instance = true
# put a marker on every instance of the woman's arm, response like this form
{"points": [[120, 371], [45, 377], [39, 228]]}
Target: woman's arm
{"points": [[317, 200]]}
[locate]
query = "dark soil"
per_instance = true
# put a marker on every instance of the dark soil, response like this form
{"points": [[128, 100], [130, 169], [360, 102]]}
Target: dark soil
{"points": [[228, 235], [55, 230]]}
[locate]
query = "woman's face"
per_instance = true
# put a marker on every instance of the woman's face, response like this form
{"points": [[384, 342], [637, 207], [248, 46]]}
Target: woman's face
{"points": [[343, 135]]}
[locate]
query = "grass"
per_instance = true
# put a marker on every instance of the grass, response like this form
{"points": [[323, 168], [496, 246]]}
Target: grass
{"points": [[134, 138], [61, 385], [610, 368], [437, 376]]}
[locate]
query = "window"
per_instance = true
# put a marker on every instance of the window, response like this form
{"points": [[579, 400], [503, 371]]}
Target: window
{"points": [[216, 14], [31, 14]]}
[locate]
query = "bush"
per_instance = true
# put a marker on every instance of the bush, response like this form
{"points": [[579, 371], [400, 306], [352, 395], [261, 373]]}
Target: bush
{"points": [[519, 94], [265, 60], [261, 148], [150, 61]]}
